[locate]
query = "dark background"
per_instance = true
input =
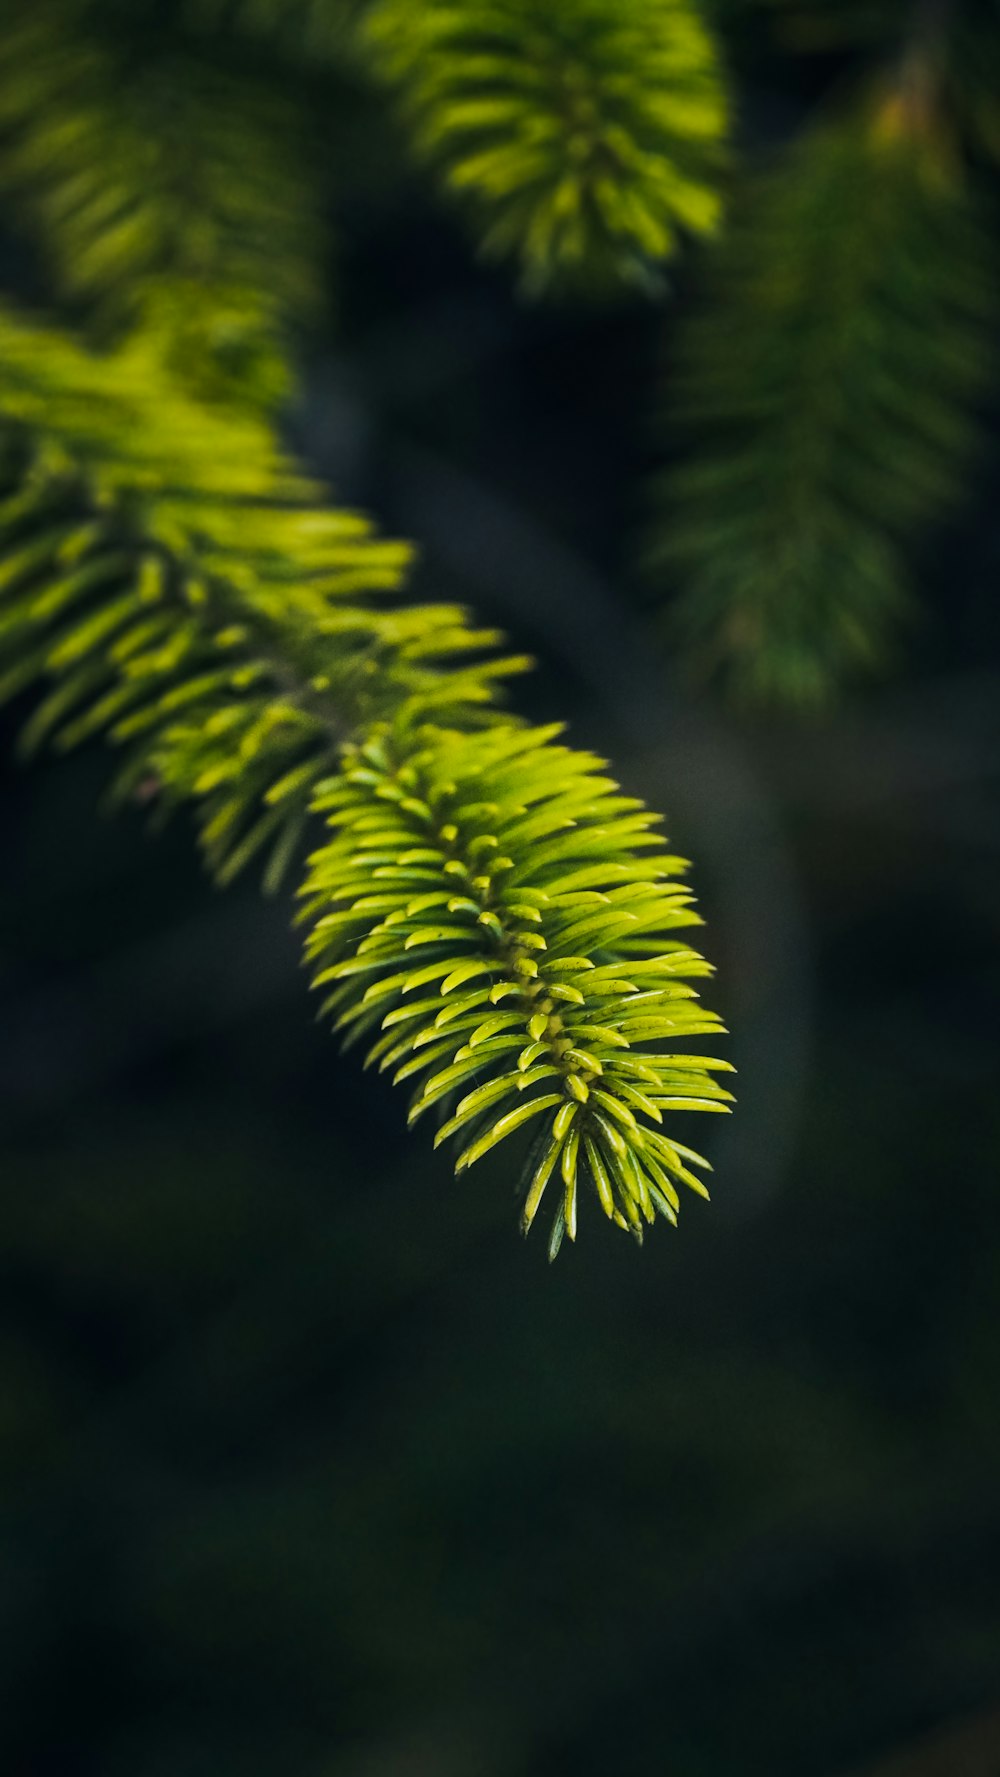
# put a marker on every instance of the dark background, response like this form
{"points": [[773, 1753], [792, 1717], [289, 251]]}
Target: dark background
{"points": [[309, 1465]]}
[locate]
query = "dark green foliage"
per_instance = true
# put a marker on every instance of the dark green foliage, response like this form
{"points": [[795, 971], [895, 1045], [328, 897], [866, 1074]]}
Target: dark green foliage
{"points": [[166, 192], [490, 909], [303, 1473], [822, 402], [177, 585], [506, 924], [582, 134], [174, 585]]}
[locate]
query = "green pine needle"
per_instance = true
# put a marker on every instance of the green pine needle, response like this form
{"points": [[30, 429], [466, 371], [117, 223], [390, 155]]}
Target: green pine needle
{"points": [[166, 192], [582, 134], [171, 582], [823, 405], [489, 909], [488, 913], [504, 924]]}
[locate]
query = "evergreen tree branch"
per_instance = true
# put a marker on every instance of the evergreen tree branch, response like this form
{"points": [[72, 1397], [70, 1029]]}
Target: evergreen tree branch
{"points": [[823, 402], [179, 587], [167, 193], [582, 137], [507, 923], [487, 905]]}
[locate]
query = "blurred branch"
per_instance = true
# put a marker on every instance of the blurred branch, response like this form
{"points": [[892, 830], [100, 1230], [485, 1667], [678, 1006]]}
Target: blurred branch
{"points": [[582, 139], [165, 192], [824, 398]]}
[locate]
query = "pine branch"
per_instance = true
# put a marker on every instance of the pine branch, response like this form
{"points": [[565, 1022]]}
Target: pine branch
{"points": [[507, 924], [823, 404], [582, 137], [179, 588], [166, 193], [488, 905]]}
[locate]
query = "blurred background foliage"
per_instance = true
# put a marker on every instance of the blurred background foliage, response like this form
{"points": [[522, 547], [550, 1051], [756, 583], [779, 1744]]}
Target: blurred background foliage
{"points": [[307, 1465]]}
